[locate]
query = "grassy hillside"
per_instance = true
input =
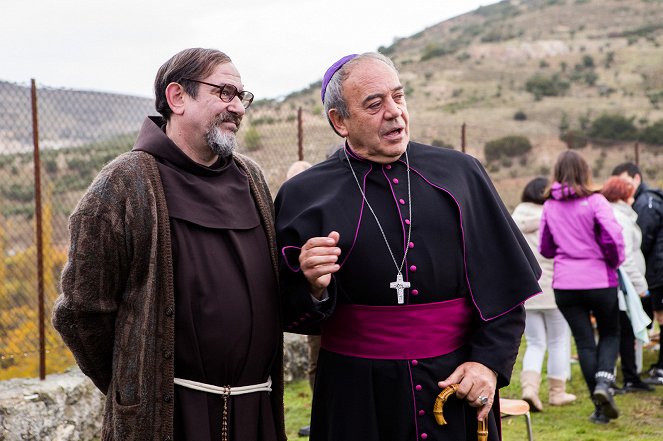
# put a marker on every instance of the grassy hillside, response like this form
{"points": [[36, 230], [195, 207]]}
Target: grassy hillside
{"points": [[475, 68]]}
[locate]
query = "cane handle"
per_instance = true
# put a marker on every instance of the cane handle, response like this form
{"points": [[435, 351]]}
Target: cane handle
{"points": [[438, 411]]}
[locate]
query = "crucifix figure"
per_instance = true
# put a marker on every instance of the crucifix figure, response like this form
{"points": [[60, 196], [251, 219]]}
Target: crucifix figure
{"points": [[399, 285]]}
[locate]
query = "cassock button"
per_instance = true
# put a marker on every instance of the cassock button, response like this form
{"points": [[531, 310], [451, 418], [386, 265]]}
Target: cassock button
{"points": [[169, 311], [395, 180], [422, 412], [418, 387], [388, 166], [424, 436], [413, 268], [167, 355], [401, 201], [415, 292], [414, 362], [410, 245], [167, 398], [167, 438]]}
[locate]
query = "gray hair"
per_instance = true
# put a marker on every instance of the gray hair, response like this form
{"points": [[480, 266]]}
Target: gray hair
{"points": [[195, 63], [334, 92]]}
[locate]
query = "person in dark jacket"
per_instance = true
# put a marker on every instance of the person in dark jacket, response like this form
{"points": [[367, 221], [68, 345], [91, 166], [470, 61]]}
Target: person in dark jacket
{"points": [[579, 230], [405, 259], [649, 206], [169, 296]]}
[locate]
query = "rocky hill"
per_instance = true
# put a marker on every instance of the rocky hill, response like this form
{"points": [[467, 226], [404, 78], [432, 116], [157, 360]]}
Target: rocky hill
{"points": [[67, 118]]}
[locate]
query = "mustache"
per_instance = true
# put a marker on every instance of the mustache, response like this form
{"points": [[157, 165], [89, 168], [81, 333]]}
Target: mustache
{"points": [[228, 117]]}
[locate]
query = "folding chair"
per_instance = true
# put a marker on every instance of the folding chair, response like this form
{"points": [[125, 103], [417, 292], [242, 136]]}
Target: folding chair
{"points": [[510, 408]]}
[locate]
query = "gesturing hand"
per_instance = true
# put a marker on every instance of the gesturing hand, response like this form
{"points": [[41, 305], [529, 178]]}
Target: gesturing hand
{"points": [[317, 261]]}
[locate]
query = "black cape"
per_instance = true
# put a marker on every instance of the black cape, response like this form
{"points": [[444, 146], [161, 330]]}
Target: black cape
{"points": [[463, 244], [501, 270]]}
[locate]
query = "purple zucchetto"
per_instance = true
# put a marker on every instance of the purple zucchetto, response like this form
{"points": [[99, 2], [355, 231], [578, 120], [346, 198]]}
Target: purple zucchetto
{"points": [[331, 71]]}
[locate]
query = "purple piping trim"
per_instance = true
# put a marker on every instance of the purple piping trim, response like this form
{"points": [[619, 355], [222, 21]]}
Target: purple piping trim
{"points": [[400, 216], [460, 212], [414, 401], [361, 215], [285, 259], [361, 210]]}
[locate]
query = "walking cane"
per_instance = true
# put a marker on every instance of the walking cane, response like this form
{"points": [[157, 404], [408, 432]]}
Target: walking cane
{"points": [[438, 409]]}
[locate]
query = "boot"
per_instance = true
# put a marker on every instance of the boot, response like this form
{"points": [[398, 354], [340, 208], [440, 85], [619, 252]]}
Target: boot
{"points": [[557, 395], [603, 396], [598, 417], [530, 382]]}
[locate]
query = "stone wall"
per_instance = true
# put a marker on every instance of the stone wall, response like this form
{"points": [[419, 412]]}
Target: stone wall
{"points": [[64, 407], [67, 407]]}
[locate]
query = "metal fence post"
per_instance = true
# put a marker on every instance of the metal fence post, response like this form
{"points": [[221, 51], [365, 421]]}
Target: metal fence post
{"points": [[300, 135], [38, 219], [462, 138]]}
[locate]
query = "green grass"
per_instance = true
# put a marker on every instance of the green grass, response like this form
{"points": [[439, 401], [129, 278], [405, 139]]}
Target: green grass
{"points": [[641, 414]]}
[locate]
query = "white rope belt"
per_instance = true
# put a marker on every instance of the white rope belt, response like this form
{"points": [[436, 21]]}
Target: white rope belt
{"points": [[226, 390]]}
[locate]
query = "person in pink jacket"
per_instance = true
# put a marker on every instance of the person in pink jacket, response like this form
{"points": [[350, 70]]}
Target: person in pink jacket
{"points": [[580, 232]]}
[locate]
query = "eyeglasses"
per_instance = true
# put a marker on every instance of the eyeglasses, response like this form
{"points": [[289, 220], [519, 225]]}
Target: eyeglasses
{"points": [[228, 92]]}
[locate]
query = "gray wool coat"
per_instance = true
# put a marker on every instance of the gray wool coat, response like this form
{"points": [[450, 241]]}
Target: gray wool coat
{"points": [[116, 310]]}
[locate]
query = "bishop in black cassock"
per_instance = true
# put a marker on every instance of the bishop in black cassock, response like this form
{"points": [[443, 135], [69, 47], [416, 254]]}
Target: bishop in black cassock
{"points": [[468, 268]]}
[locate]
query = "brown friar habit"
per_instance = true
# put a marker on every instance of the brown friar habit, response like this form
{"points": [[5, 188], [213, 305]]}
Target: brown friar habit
{"points": [[172, 273], [226, 331]]}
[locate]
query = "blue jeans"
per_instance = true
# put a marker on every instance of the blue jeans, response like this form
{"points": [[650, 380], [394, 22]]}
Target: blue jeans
{"points": [[576, 306]]}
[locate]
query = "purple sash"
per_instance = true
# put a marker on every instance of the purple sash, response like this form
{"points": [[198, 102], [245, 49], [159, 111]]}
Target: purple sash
{"points": [[398, 332]]}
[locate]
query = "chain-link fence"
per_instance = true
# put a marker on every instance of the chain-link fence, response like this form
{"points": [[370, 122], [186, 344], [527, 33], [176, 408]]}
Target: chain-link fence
{"points": [[77, 132]]}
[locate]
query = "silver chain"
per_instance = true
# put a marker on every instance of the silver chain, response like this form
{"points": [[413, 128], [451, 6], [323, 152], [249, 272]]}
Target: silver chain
{"points": [[409, 198]]}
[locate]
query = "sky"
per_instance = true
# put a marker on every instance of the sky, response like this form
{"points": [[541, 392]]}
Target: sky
{"points": [[278, 46]]}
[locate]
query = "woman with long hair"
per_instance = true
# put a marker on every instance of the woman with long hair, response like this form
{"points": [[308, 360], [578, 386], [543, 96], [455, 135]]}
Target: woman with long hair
{"points": [[545, 327], [579, 231]]}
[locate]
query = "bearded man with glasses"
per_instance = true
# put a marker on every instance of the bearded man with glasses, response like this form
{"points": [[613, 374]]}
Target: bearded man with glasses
{"points": [[169, 296]]}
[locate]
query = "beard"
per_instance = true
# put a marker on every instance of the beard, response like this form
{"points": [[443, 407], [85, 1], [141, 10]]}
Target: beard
{"points": [[222, 142]]}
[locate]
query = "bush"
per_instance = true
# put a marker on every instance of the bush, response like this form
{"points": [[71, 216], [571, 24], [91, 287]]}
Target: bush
{"points": [[442, 143], [590, 78], [433, 50], [506, 147], [574, 139], [655, 97], [613, 127], [653, 134], [252, 139], [520, 116], [540, 86]]}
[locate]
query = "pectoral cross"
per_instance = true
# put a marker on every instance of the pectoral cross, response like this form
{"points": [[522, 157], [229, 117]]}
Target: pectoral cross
{"points": [[399, 285]]}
